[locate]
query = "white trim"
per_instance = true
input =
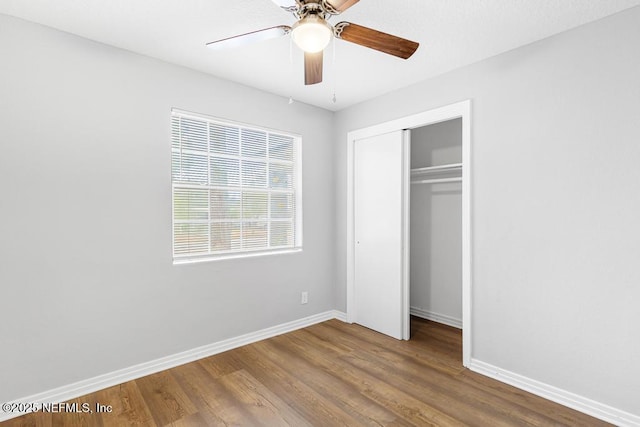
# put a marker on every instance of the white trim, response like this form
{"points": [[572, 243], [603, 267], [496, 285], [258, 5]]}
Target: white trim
{"points": [[406, 232], [80, 388], [298, 193], [437, 317], [221, 121], [467, 234], [458, 110], [437, 115], [563, 397], [340, 315], [231, 255]]}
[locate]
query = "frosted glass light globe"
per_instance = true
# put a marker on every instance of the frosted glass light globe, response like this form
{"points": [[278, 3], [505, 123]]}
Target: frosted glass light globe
{"points": [[311, 34]]}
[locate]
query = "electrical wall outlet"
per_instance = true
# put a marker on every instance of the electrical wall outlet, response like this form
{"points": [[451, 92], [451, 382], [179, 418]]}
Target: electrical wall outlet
{"points": [[304, 297]]}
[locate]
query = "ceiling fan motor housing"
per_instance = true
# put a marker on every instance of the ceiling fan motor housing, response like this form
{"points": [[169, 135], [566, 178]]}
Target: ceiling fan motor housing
{"points": [[320, 8]]}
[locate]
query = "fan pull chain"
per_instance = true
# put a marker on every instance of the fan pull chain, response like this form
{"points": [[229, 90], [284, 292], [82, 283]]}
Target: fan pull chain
{"points": [[335, 74], [291, 71], [291, 52]]}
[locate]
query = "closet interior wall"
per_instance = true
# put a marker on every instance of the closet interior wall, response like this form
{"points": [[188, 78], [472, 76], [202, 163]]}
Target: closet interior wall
{"points": [[436, 222]]}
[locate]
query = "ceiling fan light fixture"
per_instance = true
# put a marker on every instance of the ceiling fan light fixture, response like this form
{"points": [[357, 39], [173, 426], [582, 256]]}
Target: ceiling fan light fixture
{"points": [[311, 34]]}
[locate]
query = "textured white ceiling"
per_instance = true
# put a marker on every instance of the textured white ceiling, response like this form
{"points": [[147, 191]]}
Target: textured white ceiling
{"points": [[451, 33]]}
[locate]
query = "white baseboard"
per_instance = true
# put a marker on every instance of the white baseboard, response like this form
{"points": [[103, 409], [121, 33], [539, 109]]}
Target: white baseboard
{"points": [[591, 407], [340, 315], [436, 317], [75, 390]]}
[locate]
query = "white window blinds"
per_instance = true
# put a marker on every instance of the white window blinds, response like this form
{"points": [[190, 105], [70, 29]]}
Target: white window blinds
{"points": [[235, 188]]}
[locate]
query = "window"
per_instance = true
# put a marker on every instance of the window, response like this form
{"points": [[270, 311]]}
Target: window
{"points": [[236, 189]]}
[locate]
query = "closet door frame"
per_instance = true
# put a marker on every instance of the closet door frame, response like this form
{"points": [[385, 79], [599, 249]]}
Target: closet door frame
{"points": [[453, 111]]}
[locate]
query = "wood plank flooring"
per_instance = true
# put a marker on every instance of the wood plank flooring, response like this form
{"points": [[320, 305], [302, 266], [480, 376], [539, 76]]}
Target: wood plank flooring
{"points": [[330, 374]]}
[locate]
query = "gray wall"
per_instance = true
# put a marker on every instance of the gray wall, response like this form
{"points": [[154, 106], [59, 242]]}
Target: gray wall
{"points": [[87, 281], [437, 144], [85, 272], [436, 224], [556, 240]]}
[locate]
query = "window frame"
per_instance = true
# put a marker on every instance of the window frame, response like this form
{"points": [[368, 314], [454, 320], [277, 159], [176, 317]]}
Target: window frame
{"points": [[295, 191]]}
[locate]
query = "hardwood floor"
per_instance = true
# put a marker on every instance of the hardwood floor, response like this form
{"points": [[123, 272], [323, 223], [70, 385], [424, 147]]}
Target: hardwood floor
{"points": [[328, 374]]}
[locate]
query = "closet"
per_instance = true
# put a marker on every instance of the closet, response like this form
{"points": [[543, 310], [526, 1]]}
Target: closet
{"points": [[409, 244], [435, 279]]}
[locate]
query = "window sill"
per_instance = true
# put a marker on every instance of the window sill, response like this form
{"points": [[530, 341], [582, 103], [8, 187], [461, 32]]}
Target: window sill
{"points": [[183, 261]]}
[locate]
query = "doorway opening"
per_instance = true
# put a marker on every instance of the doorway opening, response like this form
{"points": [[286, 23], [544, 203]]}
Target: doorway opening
{"points": [[399, 166], [435, 260]]}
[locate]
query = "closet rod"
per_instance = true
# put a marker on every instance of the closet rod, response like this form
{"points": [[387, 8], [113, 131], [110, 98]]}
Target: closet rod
{"points": [[437, 180], [438, 168]]}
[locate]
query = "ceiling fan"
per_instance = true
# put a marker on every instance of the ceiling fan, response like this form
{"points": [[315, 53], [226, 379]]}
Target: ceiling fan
{"points": [[312, 33]]}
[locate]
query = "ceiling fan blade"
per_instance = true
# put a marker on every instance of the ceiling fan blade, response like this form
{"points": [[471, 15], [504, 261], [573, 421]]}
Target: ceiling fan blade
{"points": [[312, 68], [341, 5], [377, 40], [245, 39], [285, 4]]}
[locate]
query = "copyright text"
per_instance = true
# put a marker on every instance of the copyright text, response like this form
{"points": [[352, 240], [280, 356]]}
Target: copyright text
{"points": [[75, 407]]}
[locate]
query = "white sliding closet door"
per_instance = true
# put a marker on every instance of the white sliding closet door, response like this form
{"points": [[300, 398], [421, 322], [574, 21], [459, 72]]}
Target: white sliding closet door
{"points": [[379, 225]]}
